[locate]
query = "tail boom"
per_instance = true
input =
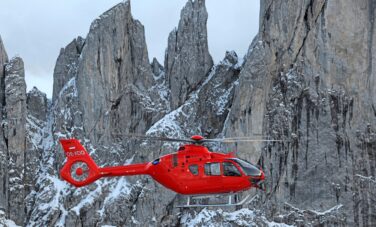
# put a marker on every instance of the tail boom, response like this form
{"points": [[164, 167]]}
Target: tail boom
{"points": [[80, 169], [127, 170]]}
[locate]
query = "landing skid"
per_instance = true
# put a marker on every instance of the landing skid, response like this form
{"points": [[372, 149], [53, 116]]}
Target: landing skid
{"points": [[232, 200]]}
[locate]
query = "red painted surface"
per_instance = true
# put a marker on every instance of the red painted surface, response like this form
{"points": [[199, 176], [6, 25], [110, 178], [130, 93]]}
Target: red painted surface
{"points": [[79, 171], [172, 170], [197, 137]]}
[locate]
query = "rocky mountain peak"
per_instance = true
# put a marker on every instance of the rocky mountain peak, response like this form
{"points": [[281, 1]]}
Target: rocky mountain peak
{"points": [[124, 6], [15, 66], [157, 68], [66, 64], [3, 61], [15, 80], [3, 56], [37, 104], [231, 57], [187, 59], [114, 63]]}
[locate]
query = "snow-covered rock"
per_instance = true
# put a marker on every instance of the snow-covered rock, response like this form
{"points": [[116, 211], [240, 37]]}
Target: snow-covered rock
{"points": [[211, 218], [304, 80]]}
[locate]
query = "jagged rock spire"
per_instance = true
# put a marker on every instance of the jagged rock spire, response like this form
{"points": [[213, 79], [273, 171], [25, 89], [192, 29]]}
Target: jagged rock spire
{"points": [[3, 57], [113, 71], [37, 104], [156, 67], [187, 60], [15, 134], [3, 61], [3, 148]]}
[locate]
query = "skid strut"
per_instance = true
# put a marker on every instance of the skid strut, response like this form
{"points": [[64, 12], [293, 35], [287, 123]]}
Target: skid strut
{"points": [[232, 201]]}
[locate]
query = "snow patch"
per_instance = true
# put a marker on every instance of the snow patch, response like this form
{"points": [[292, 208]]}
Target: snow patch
{"points": [[369, 178], [212, 218], [6, 222]]}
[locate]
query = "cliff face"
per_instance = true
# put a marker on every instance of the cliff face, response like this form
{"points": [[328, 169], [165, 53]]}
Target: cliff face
{"points": [[115, 65], [306, 80], [309, 81], [3, 156], [13, 142]]}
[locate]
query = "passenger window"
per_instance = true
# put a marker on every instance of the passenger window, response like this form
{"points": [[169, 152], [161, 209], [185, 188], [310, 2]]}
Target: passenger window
{"points": [[174, 160], [213, 169], [193, 169], [230, 169]]}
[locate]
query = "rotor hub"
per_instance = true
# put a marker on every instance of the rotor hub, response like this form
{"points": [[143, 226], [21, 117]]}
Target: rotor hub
{"points": [[79, 171], [197, 138]]}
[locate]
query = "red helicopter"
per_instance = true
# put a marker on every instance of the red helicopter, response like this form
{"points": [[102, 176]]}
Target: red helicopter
{"points": [[193, 170]]}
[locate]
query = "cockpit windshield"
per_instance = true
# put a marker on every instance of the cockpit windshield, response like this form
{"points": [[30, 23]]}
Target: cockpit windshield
{"points": [[247, 167]]}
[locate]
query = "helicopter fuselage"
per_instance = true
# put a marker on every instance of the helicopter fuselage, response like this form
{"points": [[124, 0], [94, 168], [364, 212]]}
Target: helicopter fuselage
{"points": [[185, 173], [192, 170]]}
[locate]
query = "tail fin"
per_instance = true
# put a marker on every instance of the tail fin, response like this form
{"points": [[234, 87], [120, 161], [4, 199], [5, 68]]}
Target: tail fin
{"points": [[80, 169]]}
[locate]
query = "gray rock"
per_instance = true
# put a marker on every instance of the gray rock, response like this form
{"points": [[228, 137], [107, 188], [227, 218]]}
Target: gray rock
{"points": [[37, 104], [66, 64], [15, 136], [3, 148], [247, 111], [156, 67], [307, 80], [3, 61], [114, 76], [304, 88], [36, 124], [187, 59]]}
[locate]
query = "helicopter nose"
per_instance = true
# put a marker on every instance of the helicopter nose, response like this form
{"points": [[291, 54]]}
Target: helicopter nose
{"points": [[262, 177], [257, 181]]}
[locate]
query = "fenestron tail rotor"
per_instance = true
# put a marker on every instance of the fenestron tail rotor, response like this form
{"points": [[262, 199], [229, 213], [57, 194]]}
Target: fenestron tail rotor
{"points": [[79, 171]]}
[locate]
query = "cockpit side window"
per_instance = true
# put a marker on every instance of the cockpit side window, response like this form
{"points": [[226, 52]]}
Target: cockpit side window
{"points": [[213, 169], [247, 167], [230, 169], [193, 169]]}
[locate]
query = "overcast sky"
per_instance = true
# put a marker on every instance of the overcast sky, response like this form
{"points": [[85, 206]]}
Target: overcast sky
{"points": [[37, 29]]}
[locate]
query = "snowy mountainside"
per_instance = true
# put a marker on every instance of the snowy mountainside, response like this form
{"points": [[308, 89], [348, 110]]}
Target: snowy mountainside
{"points": [[106, 201], [304, 81]]}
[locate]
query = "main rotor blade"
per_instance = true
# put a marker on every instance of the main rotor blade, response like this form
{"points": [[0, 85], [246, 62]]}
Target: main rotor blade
{"points": [[221, 140], [155, 138], [235, 140]]}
